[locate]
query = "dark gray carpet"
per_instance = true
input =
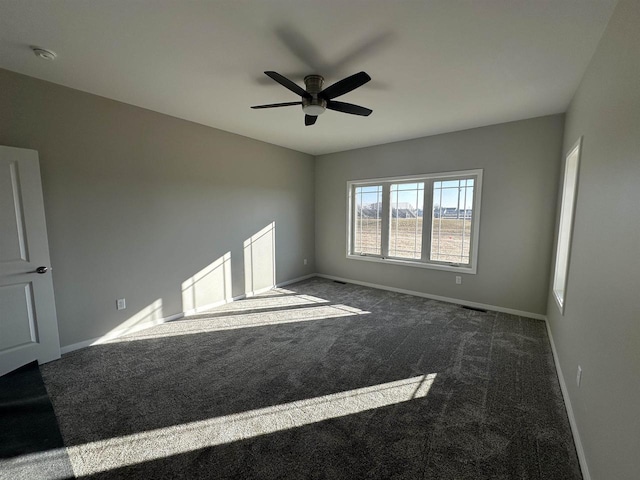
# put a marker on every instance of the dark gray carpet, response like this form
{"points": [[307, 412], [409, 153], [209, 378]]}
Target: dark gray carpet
{"points": [[31, 447], [319, 380]]}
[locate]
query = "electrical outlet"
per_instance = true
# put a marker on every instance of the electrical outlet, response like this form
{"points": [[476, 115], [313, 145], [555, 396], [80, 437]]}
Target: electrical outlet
{"points": [[121, 304], [305, 261], [579, 376], [458, 279]]}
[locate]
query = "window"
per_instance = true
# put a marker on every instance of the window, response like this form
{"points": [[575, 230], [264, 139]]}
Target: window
{"points": [[451, 220], [427, 221], [405, 233], [367, 226], [569, 190]]}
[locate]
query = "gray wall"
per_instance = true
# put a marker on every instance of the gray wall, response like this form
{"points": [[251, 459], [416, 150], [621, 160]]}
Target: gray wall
{"points": [[138, 202], [600, 329], [521, 168]]}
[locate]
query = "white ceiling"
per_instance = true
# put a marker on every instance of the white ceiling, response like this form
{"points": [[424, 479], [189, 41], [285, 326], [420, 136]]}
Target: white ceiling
{"points": [[437, 65]]}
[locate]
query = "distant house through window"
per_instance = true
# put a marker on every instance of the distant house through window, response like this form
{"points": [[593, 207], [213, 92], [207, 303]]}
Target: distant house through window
{"points": [[452, 217], [407, 212], [367, 220], [386, 220]]}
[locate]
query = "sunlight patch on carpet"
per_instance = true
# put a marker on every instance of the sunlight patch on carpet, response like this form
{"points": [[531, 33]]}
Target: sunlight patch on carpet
{"points": [[189, 326], [113, 453]]}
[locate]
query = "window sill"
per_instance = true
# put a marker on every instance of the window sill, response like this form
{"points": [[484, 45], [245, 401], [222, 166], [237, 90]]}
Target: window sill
{"points": [[471, 270]]}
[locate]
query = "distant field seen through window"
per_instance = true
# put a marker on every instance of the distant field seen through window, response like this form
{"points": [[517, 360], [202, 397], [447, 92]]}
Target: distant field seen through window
{"points": [[387, 220]]}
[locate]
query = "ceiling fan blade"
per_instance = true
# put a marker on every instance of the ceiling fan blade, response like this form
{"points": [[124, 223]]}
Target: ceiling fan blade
{"points": [[345, 85], [273, 105], [285, 82], [348, 108], [302, 48], [310, 119]]}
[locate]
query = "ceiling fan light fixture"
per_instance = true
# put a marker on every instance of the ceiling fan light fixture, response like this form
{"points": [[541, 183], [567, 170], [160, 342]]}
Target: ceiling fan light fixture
{"points": [[313, 110], [314, 105]]}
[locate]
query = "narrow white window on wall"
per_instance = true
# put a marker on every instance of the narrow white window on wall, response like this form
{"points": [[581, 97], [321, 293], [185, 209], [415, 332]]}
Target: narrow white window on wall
{"points": [[569, 193]]}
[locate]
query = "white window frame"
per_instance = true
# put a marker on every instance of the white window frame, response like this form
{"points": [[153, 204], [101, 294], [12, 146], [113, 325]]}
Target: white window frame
{"points": [[425, 262], [565, 225]]}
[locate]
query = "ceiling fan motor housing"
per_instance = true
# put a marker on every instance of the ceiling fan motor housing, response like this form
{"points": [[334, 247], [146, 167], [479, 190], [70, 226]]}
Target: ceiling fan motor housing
{"points": [[314, 105]]}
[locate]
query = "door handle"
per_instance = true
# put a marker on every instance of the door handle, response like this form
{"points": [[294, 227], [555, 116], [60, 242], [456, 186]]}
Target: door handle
{"points": [[41, 270]]}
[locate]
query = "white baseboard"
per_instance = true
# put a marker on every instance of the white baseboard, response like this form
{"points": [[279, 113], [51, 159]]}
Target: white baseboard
{"points": [[457, 301], [209, 306], [118, 333], [78, 346], [253, 293], [296, 280], [567, 403], [143, 326], [277, 285]]}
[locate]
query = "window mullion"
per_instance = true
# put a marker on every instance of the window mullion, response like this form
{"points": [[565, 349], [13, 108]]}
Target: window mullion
{"points": [[472, 220], [354, 219], [464, 219], [386, 213], [427, 215]]}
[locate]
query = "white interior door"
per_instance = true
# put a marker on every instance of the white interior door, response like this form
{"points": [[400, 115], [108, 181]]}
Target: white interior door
{"points": [[28, 324]]}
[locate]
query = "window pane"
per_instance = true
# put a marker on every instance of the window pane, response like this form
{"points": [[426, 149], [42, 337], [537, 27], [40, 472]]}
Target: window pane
{"points": [[405, 227], [367, 228], [451, 221]]}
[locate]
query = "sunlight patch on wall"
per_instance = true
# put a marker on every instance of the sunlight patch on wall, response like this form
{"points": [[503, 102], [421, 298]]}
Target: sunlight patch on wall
{"points": [[259, 302], [217, 322], [209, 286], [280, 292], [177, 439], [149, 316], [260, 260]]}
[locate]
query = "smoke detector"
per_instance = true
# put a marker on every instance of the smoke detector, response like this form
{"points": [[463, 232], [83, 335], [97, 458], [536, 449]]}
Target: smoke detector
{"points": [[44, 54]]}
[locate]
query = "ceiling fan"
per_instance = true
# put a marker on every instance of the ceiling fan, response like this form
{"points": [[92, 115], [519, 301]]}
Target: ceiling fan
{"points": [[315, 100]]}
